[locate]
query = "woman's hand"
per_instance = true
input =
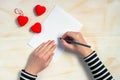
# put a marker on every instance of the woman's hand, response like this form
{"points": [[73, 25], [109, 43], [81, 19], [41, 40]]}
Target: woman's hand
{"points": [[77, 36], [40, 58]]}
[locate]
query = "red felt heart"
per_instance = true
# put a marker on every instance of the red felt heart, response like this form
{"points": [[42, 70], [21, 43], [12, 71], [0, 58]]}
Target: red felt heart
{"points": [[39, 10], [36, 28], [22, 20]]}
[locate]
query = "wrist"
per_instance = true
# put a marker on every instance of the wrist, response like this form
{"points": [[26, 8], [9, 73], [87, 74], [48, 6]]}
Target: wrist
{"points": [[30, 71], [85, 52]]}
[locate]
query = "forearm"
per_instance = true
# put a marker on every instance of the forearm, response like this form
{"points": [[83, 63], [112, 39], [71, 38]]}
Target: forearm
{"points": [[97, 68], [99, 71]]}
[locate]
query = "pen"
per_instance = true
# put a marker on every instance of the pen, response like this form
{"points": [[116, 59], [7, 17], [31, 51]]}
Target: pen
{"points": [[71, 41]]}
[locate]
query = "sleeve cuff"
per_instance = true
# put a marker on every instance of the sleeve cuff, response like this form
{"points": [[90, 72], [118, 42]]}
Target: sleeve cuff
{"points": [[25, 75], [88, 58]]}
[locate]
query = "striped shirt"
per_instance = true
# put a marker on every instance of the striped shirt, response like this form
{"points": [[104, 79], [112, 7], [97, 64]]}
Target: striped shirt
{"points": [[99, 71]]}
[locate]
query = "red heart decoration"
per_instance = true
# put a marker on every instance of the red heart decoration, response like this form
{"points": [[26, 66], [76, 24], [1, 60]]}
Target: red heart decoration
{"points": [[22, 20], [39, 10], [36, 28]]}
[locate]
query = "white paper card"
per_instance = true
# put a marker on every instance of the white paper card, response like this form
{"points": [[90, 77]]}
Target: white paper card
{"points": [[57, 23]]}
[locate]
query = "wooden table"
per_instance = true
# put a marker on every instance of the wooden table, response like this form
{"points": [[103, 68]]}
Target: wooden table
{"points": [[101, 20]]}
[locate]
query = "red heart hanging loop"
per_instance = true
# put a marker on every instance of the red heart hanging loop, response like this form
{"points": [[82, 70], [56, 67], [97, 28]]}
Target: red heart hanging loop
{"points": [[36, 28], [22, 20], [39, 10]]}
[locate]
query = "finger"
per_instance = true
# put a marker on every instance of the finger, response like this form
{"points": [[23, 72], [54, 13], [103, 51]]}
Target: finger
{"points": [[46, 43], [49, 46], [68, 34], [44, 46], [65, 35], [49, 60], [39, 47], [70, 46], [50, 52]]}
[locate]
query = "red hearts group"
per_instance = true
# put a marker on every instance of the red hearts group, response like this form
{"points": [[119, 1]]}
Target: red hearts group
{"points": [[22, 20]]}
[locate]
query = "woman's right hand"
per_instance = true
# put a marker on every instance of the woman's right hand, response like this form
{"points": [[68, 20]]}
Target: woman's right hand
{"points": [[77, 36]]}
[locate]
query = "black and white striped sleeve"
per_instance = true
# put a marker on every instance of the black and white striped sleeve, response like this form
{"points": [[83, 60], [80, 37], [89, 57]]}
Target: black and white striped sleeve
{"points": [[99, 71], [27, 76]]}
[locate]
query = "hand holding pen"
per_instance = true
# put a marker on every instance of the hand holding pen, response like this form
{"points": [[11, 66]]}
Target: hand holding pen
{"points": [[75, 41]]}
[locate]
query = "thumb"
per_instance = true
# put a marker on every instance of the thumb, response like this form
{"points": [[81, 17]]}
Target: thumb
{"points": [[70, 46]]}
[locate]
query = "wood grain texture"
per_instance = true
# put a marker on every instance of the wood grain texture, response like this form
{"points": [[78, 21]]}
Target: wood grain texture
{"points": [[101, 20]]}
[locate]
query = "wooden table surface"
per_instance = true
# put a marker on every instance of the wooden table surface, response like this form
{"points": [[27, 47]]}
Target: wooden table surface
{"points": [[101, 20]]}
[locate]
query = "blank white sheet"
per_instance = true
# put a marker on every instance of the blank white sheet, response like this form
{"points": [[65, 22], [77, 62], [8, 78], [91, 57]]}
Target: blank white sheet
{"points": [[56, 24]]}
